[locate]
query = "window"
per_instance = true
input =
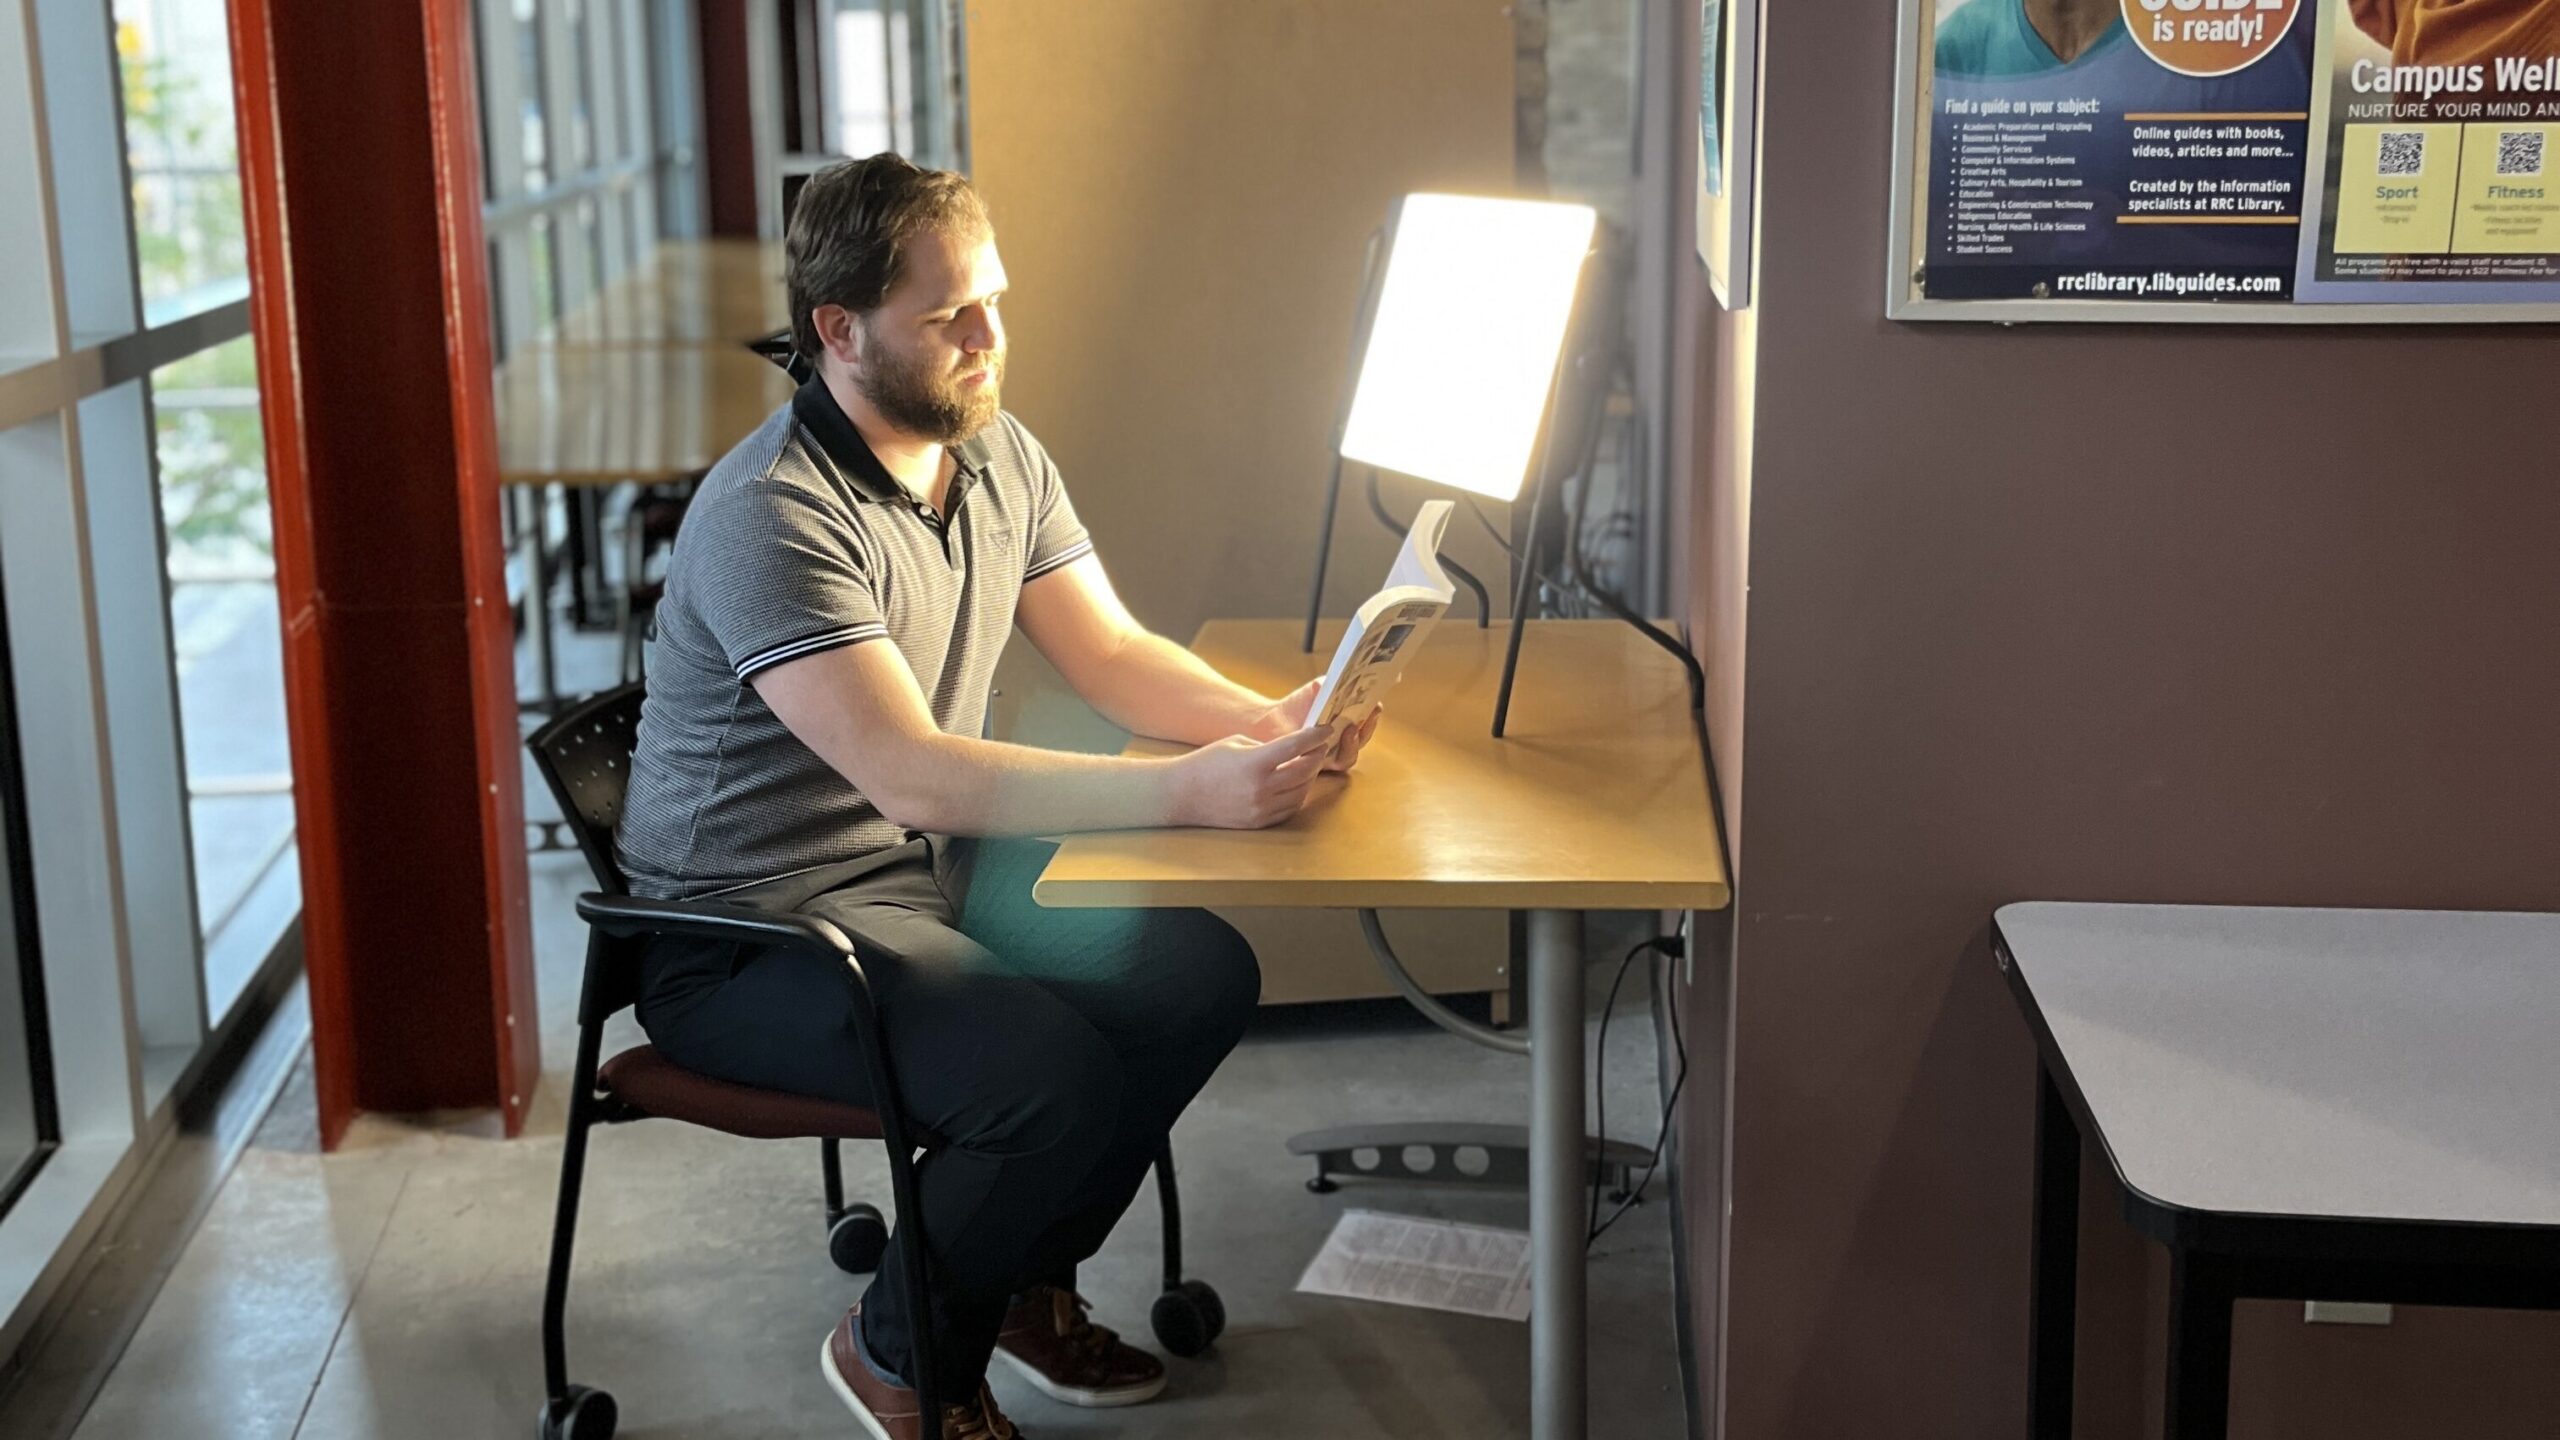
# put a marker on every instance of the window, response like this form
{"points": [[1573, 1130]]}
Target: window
{"points": [[141, 718], [892, 79], [183, 146], [869, 78], [227, 643], [588, 113], [224, 630]]}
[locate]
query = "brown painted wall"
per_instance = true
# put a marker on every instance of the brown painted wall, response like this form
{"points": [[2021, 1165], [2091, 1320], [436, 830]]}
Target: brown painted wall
{"points": [[2180, 614]]}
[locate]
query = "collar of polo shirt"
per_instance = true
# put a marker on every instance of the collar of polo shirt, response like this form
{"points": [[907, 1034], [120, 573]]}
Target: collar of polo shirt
{"points": [[817, 411]]}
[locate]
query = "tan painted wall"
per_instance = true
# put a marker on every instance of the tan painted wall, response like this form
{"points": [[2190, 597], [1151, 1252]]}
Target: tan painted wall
{"points": [[1182, 193]]}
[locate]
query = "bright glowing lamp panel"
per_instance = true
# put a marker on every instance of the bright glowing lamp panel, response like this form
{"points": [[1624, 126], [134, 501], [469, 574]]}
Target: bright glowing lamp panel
{"points": [[1463, 346]]}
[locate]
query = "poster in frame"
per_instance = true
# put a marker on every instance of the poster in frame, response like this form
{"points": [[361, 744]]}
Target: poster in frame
{"points": [[2248, 161], [1727, 144]]}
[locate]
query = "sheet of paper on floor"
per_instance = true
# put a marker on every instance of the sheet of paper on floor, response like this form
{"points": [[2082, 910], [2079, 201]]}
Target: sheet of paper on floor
{"points": [[1436, 1264]]}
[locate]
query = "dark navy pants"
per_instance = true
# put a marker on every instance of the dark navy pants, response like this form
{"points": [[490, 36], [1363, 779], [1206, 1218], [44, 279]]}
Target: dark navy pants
{"points": [[1050, 1050]]}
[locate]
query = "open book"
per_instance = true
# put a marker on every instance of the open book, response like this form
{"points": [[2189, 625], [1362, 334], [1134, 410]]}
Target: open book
{"points": [[1388, 625]]}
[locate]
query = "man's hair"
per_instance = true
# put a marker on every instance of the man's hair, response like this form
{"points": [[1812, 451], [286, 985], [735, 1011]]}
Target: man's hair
{"points": [[850, 230]]}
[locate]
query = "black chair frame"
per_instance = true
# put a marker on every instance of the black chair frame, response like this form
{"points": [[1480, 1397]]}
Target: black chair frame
{"points": [[584, 757]]}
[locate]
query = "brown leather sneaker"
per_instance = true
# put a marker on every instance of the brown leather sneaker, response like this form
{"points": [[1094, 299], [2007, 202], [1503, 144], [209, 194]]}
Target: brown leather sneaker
{"points": [[890, 1412], [1069, 1358]]}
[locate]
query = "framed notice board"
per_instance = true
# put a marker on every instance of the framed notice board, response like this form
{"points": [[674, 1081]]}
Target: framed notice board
{"points": [[2226, 160]]}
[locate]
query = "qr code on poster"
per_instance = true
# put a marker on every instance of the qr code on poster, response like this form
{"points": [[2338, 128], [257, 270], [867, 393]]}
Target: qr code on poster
{"points": [[2404, 152], [2520, 152]]}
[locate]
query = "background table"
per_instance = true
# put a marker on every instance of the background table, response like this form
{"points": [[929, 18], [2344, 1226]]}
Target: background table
{"points": [[1598, 799], [603, 416], [2355, 1105], [688, 292]]}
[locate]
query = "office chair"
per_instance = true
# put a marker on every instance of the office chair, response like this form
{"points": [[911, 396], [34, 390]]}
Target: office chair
{"points": [[649, 526], [585, 757], [777, 349]]}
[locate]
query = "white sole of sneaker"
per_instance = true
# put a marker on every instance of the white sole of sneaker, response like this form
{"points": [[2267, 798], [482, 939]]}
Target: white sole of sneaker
{"points": [[827, 1367], [1083, 1399]]}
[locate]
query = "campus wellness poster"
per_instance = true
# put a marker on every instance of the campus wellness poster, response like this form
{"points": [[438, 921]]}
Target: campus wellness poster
{"points": [[2239, 151], [2441, 178], [2098, 150]]}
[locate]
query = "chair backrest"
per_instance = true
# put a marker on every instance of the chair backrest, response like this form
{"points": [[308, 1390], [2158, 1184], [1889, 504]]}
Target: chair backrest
{"points": [[585, 757], [777, 347]]}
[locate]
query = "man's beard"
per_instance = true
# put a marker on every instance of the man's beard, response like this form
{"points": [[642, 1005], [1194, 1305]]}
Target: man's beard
{"points": [[933, 407]]}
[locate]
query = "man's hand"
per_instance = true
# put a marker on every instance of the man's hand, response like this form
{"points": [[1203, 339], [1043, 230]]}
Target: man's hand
{"points": [[1347, 747], [1244, 784], [1289, 713]]}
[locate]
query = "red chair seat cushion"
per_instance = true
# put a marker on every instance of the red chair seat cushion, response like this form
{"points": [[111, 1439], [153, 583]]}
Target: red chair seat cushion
{"points": [[647, 1081]]}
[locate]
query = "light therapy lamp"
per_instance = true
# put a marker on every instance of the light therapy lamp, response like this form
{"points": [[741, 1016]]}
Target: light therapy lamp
{"points": [[1458, 360], [1486, 330], [1461, 345]]}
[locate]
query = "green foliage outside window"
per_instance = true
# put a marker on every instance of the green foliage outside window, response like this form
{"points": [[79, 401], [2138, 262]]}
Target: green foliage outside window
{"points": [[188, 233]]}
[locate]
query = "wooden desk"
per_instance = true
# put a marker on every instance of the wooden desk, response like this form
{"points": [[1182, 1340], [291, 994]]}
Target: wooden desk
{"points": [[1597, 800], [602, 416], [2299, 1104], [689, 292]]}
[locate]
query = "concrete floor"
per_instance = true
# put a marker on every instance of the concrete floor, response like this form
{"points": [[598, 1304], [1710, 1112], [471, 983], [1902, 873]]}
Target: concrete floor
{"points": [[392, 1289]]}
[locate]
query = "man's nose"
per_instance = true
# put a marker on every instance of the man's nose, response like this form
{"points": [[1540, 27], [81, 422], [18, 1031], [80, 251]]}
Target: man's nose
{"points": [[986, 335]]}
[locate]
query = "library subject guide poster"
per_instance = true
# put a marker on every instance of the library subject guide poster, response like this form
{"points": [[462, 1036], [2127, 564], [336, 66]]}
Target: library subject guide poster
{"points": [[2243, 151]]}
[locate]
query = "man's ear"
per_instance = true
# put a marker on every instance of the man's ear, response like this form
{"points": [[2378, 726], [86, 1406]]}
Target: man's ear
{"points": [[840, 333]]}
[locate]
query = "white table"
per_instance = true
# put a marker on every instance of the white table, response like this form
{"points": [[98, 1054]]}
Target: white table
{"points": [[2357, 1105]]}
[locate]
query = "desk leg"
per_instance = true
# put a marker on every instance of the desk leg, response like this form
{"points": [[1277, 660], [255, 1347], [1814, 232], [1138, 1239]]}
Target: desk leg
{"points": [[537, 602], [2053, 1269], [2200, 1295], [1558, 1382]]}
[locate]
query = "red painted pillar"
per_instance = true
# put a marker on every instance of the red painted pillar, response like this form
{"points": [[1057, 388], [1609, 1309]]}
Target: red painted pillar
{"points": [[360, 156], [728, 118]]}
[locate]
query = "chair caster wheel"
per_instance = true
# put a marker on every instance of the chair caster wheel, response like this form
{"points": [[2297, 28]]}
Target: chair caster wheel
{"points": [[1189, 1318], [1321, 1186], [580, 1414], [858, 1238]]}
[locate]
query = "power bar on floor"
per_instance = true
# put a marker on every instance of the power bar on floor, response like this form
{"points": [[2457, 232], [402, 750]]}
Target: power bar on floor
{"points": [[2344, 1312]]}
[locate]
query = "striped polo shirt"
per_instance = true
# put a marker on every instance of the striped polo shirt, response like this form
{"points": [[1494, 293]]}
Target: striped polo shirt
{"points": [[799, 541]]}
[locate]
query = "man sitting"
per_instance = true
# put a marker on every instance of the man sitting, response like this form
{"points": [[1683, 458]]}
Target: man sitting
{"points": [[834, 607]]}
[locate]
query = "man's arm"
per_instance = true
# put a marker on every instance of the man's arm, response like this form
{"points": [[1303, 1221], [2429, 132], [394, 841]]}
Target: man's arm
{"points": [[1137, 679], [859, 707]]}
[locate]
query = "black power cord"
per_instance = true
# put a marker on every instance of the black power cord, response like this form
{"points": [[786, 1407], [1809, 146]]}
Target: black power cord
{"points": [[1672, 947]]}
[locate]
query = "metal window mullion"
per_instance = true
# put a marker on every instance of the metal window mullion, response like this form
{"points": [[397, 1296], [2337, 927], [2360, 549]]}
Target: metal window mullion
{"points": [[128, 565], [70, 788], [26, 170], [603, 86], [604, 80], [48, 387], [502, 100], [889, 75], [77, 48], [560, 81]]}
